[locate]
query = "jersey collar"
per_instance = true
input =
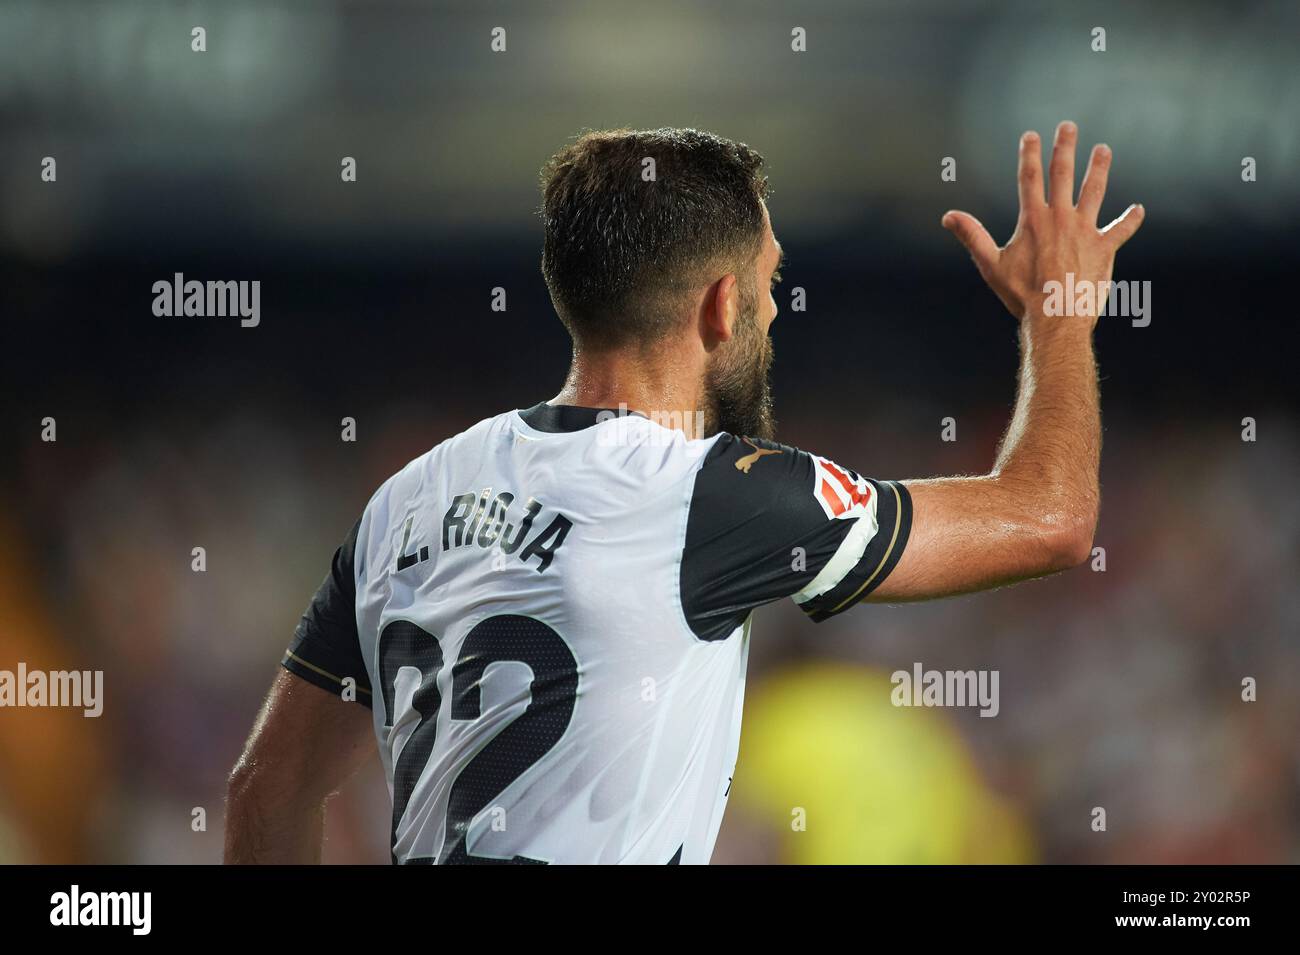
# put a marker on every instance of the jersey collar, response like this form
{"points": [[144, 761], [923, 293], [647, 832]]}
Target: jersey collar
{"points": [[557, 419]]}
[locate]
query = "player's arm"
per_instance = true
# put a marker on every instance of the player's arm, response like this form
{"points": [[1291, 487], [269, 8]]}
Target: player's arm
{"points": [[312, 733], [306, 742], [1035, 513]]}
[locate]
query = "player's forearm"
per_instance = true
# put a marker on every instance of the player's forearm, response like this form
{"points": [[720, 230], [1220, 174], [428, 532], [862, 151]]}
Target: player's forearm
{"points": [[1034, 514], [268, 827], [306, 742], [1050, 456], [1036, 511]]}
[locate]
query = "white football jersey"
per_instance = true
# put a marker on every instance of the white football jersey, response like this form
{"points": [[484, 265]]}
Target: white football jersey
{"points": [[549, 615]]}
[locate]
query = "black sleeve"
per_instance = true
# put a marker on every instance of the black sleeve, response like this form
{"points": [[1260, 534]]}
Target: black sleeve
{"points": [[325, 648], [769, 521]]}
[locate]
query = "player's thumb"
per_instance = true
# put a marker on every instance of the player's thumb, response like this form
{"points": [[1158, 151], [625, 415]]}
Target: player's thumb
{"points": [[972, 235]]}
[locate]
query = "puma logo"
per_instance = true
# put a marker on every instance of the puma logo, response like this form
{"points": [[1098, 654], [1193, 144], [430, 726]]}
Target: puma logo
{"points": [[744, 464]]}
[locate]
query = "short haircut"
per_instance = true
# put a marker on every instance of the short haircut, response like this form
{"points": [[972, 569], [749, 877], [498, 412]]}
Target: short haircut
{"points": [[621, 249]]}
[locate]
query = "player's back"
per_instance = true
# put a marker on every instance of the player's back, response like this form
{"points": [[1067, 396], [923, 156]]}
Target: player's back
{"points": [[551, 623], [538, 598]]}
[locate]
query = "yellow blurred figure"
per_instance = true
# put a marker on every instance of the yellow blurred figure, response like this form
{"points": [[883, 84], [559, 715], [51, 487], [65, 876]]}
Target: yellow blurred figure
{"points": [[848, 777]]}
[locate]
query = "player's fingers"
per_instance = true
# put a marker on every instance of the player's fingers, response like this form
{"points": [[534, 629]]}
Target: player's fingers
{"points": [[1093, 189], [1030, 175], [974, 236], [1061, 170], [1122, 229]]}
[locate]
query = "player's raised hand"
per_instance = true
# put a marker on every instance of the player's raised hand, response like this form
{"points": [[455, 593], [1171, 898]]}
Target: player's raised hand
{"points": [[1053, 236]]}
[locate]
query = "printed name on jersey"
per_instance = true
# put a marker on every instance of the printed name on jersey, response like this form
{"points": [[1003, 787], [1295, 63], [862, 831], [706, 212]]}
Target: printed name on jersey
{"points": [[840, 492], [483, 519]]}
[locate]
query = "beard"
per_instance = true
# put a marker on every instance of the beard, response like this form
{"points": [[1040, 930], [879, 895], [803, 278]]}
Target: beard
{"points": [[737, 389]]}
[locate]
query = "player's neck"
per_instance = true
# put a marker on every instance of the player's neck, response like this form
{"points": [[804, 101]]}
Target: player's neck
{"points": [[650, 384]]}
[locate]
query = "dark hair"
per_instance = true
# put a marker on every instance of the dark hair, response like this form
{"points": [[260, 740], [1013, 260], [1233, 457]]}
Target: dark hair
{"points": [[620, 250]]}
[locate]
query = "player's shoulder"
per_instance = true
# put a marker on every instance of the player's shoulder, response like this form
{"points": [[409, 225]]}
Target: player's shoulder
{"points": [[738, 468], [743, 474], [421, 472], [742, 453]]}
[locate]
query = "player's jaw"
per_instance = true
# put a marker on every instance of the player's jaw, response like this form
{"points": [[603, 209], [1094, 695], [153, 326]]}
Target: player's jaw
{"points": [[737, 389]]}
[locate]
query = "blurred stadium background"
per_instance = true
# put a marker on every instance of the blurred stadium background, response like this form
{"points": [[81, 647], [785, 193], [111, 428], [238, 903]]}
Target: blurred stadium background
{"points": [[1119, 689]]}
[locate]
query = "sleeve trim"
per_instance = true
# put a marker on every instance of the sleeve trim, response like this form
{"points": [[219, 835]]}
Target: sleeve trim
{"points": [[818, 610], [846, 557], [893, 540], [290, 656]]}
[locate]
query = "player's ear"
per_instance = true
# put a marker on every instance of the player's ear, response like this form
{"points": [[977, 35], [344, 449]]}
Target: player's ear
{"points": [[722, 308]]}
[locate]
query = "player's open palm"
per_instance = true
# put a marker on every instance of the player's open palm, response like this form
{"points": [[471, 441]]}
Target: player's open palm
{"points": [[1053, 237]]}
